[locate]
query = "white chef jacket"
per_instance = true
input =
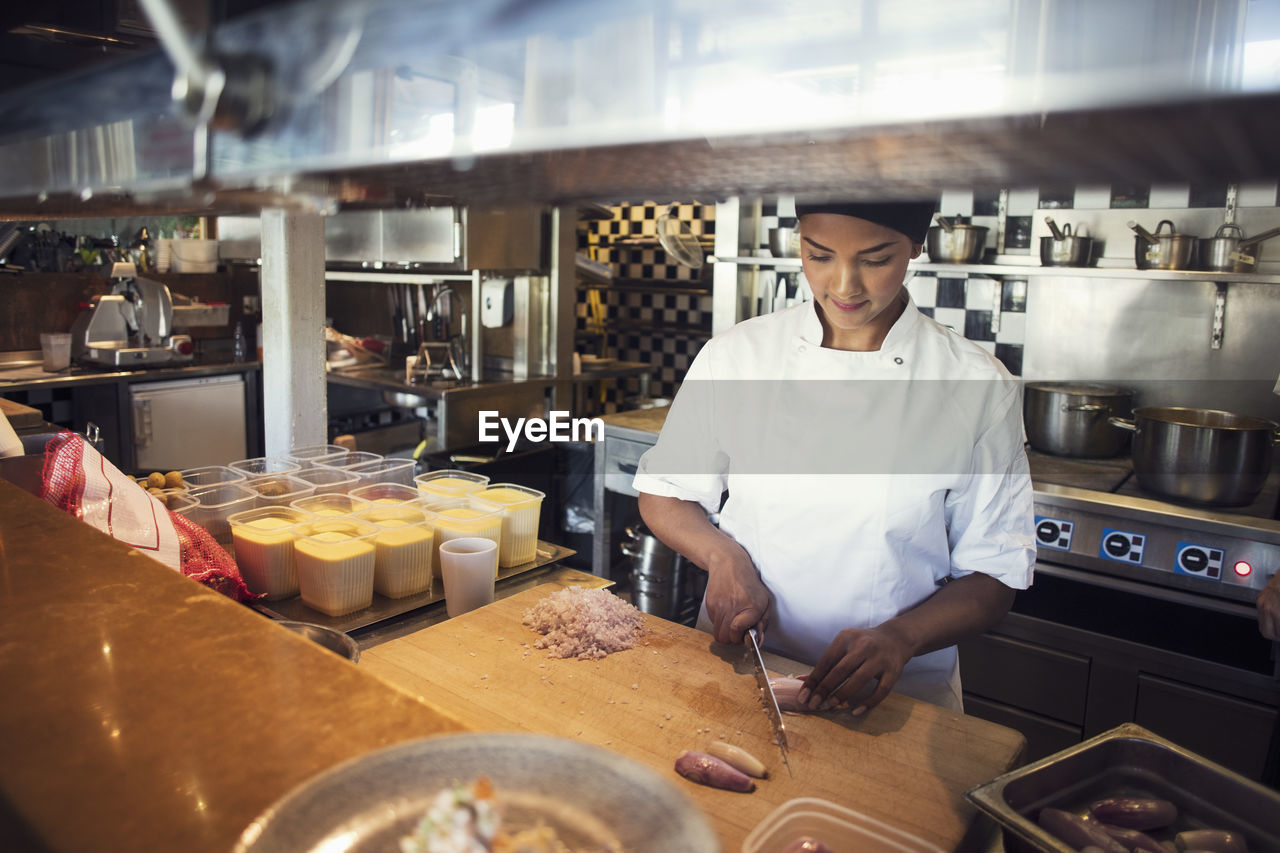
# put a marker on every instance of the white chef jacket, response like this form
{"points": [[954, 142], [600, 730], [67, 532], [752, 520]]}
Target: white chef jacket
{"points": [[857, 481]]}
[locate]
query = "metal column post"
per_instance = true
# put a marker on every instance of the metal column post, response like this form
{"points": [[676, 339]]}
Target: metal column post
{"points": [[295, 413]]}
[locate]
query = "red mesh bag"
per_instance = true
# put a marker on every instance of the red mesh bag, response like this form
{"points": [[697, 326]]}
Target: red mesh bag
{"points": [[77, 479]]}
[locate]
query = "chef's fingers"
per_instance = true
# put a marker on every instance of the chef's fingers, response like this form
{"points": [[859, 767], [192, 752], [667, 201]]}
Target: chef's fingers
{"points": [[883, 687], [738, 625], [832, 670]]}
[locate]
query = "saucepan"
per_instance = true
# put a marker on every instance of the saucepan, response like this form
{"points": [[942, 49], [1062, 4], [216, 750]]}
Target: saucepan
{"points": [[952, 241], [1163, 251], [1065, 249], [1070, 418], [1203, 456], [1232, 253]]}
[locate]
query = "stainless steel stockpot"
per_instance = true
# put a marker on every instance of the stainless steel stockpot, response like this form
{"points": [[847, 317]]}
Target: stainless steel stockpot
{"points": [[1204, 456], [1070, 418]]}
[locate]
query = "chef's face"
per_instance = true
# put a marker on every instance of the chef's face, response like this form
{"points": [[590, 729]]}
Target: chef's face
{"points": [[855, 269]]}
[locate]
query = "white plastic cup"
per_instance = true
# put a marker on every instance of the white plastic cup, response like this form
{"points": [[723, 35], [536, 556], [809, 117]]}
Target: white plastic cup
{"points": [[468, 567], [55, 347]]}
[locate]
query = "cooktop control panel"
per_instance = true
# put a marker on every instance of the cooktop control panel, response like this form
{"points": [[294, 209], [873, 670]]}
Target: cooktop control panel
{"points": [[1192, 553]]}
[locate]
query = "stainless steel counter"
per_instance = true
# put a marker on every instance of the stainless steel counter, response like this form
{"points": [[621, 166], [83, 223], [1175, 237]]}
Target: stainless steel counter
{"points": [[22, 375]]}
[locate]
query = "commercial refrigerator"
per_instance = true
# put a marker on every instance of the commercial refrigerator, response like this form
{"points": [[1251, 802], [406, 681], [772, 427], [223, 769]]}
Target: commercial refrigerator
{"points": [[187, 423]]}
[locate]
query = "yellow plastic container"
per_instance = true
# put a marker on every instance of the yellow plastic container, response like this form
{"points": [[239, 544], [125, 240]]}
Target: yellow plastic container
{"points": [[335, 559], [521, 509], [264, 549], [404, 546], [455, 518], [449, 483]]}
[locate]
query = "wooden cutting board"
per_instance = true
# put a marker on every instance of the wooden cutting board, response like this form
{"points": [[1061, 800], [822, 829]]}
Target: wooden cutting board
{"points": [[906, 763], [20, 416]]}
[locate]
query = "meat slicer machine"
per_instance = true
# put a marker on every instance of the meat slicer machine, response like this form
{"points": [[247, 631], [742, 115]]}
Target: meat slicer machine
{"points": [[132, 326]]}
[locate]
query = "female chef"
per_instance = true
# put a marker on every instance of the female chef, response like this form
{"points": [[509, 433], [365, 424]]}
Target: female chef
{"points": [[879, 503]]}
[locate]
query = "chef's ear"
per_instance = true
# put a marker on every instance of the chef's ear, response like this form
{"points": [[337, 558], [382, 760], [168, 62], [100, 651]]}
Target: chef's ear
{"points": [[916, 249]]}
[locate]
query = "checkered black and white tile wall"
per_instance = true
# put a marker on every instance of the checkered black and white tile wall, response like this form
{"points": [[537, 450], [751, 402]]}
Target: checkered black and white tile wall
{"points": [[659, 310]]}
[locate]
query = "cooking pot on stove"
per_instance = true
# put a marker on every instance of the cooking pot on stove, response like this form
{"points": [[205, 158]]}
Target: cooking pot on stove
{"points": [[1070, 418], [1201, 455], [1163, 251]]}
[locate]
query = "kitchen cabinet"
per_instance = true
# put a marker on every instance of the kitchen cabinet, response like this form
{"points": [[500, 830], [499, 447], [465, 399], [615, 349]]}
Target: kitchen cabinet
{"points": [[1059, 684]]}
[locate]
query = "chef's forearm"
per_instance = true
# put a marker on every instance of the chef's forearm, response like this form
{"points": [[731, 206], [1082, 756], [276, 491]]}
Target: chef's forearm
{"points": [[684, 527], [965, 607]]}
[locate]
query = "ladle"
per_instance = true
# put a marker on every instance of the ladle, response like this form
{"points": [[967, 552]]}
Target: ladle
{"points": [[1053, 226], [1258, 238], [947, 224], [1144, 233]]}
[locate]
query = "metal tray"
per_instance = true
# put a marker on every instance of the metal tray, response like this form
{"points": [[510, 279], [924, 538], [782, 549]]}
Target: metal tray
{"points": [[1129, 761], [384, 608]]}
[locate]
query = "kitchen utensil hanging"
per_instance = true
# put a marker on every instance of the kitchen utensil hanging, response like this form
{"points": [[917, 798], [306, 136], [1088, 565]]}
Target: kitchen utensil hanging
{"points": [[678, 240]]}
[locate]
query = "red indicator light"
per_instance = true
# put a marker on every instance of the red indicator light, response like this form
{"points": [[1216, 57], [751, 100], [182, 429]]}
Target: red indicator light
{"points": [[1243, 569]]}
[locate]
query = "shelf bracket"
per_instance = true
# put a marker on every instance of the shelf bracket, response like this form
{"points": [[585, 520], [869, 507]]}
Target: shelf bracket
{"points": [[1219, 315]]}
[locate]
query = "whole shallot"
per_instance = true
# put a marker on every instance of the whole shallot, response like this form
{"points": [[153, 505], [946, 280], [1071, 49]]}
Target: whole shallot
{"points": [[709, 770], [1079, 831], [807, 844]]}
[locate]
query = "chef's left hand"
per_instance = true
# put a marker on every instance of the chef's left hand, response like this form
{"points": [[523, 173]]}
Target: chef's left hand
{"points": [[856, 657], [1269, 609]]}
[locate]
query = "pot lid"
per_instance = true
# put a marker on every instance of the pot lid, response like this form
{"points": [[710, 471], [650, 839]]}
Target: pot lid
{"points": [[1081, 388]]}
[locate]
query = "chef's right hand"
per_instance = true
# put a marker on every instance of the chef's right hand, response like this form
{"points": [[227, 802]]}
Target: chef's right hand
{"points": [[1269, 609], [736, 597]]}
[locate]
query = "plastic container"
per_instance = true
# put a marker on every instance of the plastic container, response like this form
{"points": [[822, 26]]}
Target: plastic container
{"points": [[260, 465], [216, 504], [385, 471], [327, 481], [330, 506], [449, 483], [280, 489], [264, 549], [404, 549], [335, 559], [839, 828], [316, 454], [210, 475], [454, 518], [387, 493], [521, 510], [352, 457], [177, 500]]}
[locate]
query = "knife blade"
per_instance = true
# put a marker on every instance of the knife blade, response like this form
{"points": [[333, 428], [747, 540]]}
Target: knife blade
{"points": [[766, 695]]}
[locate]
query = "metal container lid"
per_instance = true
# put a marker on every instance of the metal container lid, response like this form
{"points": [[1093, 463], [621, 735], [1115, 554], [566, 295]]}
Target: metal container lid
{"points": [[1080, 388]]}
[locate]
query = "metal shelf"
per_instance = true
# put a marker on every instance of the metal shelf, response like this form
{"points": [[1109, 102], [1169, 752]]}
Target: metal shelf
{"points": [[1021, 271], [645, 287]]}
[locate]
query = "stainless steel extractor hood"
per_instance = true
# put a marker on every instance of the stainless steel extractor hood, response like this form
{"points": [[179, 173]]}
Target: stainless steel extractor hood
{"points": [[399, 103]]}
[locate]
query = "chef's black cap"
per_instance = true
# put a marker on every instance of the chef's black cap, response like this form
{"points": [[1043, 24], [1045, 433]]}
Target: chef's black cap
{"points": [[911, 218]]}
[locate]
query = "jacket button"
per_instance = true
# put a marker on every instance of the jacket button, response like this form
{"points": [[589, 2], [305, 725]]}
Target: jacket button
{"points": [[801, 348], [897, 359]]}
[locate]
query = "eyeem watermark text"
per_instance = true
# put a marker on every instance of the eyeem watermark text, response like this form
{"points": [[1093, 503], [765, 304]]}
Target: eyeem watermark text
{"points": [[559, 427]]}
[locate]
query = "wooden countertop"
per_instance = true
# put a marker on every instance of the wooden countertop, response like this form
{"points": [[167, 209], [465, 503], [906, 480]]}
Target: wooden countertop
{"points": [[906, 763], [143, 711], [640, 420]]}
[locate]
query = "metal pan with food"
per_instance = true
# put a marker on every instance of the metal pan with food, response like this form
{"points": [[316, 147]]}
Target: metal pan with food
{"points": [[1129, 789], [1163, 250], [953, 241]]}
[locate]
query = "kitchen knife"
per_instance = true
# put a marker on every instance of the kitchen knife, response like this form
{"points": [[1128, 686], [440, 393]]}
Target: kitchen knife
{"points": [[766, 696]]}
